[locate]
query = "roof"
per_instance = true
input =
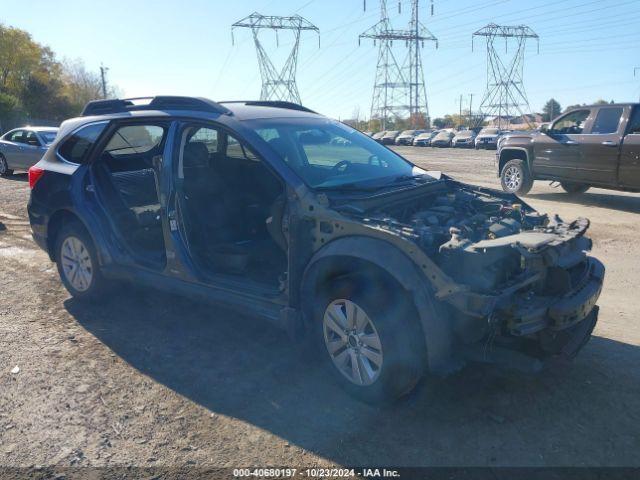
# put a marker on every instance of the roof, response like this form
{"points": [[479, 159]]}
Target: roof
{"points": [[595, 105]]}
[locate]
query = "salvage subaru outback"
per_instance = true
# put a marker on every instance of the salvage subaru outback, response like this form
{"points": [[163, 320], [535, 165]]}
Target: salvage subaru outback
{"points": [[389, 271]]}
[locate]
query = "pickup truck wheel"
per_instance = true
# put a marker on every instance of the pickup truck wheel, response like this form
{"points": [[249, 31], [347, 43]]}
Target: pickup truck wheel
{"points": [[515, 177], [369, 339], [574, 188], [5, 171]]}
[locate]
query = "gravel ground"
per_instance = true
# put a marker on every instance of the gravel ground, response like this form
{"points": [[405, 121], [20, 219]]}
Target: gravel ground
{"points": [[152, 380]]}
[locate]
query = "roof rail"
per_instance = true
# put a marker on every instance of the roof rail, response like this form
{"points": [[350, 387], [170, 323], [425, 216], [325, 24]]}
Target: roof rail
{"points": [[105, 107], [273, 103]]}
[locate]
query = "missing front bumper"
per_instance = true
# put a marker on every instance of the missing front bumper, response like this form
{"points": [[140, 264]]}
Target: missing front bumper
{"points": [[532, 314]]}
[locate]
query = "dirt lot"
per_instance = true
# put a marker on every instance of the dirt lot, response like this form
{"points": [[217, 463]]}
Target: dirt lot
{"points": [[154, 380]]}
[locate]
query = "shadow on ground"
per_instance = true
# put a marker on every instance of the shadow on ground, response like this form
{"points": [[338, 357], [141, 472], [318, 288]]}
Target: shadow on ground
{"points": [[583, 414], [18, 177], [625, 203]]}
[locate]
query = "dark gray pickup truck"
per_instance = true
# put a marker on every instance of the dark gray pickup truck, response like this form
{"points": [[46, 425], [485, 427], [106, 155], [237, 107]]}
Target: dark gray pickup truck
{"points": [[589, 146]]}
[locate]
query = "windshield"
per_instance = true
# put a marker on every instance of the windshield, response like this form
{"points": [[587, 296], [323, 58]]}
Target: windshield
{"points": [[465, 134], [489, 131], [408, 132], [328, 154], [48, 137]]}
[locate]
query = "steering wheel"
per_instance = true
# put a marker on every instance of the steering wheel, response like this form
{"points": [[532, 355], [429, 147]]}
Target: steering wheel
{"points": [[342, 165]]}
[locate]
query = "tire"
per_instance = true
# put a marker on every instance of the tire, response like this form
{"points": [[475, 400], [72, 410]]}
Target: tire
{"points": [[515, 177], [77, 262], [393, 338], [574, 188], [5, 171]]}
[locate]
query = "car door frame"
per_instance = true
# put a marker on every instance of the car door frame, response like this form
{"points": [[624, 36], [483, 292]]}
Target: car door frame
{"points": [[183, 264], [629, 161], [32, 154], [99, 209], [558, 156], [601, 151]]}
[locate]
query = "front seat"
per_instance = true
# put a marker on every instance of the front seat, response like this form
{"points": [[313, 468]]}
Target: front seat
{"points": [[208, 219]]}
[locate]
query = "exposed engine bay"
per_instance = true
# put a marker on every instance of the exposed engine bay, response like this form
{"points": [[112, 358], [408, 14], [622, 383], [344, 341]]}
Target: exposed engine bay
{"points": [[514, 262]]}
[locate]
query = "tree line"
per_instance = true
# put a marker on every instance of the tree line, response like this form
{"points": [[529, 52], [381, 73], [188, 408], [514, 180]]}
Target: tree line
{"points": [[35, 86]]}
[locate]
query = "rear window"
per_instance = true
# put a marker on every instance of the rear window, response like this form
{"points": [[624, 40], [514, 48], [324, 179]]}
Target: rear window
{"points": [[132, 139], [634, 123], [607, 120], [75, 148], [48, 137]]}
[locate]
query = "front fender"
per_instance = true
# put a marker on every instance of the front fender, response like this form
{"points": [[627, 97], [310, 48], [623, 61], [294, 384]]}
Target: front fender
{"points": [[507, 148], [434, 322]]}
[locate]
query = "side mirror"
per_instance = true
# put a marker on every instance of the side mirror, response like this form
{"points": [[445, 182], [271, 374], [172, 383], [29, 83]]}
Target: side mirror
{"points": [[544, 129]]}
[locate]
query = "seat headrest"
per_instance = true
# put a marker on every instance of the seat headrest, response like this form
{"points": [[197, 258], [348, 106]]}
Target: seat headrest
{"points": [[283, 148], [195, 155]]}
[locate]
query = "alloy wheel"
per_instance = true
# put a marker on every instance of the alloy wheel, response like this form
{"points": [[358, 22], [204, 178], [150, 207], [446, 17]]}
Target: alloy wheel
{"points": [[76, 263], [3, 166], [513, 178], [352, 342]]}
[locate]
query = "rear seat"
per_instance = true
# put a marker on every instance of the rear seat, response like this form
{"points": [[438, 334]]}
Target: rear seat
{"points": [[138, 191]]}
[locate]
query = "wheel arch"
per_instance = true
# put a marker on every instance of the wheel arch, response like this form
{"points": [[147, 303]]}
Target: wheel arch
{"points": [[357, 255], [56, 222], [513, 153]]}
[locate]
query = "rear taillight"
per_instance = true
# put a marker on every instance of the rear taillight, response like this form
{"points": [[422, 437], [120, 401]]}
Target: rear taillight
{"points": [[35, 173]]}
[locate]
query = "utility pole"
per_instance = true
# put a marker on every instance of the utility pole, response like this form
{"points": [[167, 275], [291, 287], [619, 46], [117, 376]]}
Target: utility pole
{"points": [[399, 89], [470, 109], [460, 112], [103, 77], [505, 92], [636, 69], [277, 85]]}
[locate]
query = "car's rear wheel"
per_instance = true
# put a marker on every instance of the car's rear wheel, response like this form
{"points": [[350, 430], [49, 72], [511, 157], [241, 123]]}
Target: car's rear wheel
{"points": [[369, 338], [515, 177], [574, 188], [77, 262], [5, 171]]}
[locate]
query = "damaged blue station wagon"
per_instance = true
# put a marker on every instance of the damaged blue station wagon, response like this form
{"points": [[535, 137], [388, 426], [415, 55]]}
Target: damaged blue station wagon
{"points": [[389, 271]]}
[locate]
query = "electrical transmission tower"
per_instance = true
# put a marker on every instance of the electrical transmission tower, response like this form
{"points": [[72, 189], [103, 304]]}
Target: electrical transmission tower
{"points": [[277, 85], [399, 89], [505, 93]]}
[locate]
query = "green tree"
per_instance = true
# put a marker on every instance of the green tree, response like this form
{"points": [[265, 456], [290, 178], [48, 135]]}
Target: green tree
{"points": [[551, 110]]}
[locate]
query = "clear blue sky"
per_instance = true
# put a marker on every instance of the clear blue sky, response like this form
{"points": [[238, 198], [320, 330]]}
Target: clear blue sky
{"points": [[588, 48]]}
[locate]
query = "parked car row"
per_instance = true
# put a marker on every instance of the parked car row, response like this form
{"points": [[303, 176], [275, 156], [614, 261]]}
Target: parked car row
{"points": [[446, 138]]}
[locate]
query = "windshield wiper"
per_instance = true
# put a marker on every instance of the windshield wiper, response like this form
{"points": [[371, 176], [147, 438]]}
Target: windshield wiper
{"points": [[368, 186], [351, 186]]}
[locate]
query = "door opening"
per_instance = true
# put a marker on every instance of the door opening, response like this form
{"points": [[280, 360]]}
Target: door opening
{"points": [[127, 184], [231, 207]]}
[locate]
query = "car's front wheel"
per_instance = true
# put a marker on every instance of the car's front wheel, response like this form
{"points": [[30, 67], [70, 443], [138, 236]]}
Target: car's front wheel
{"points": [[77, 262], [5, 171], [370, 339], [515, 177], [574, 188]]}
